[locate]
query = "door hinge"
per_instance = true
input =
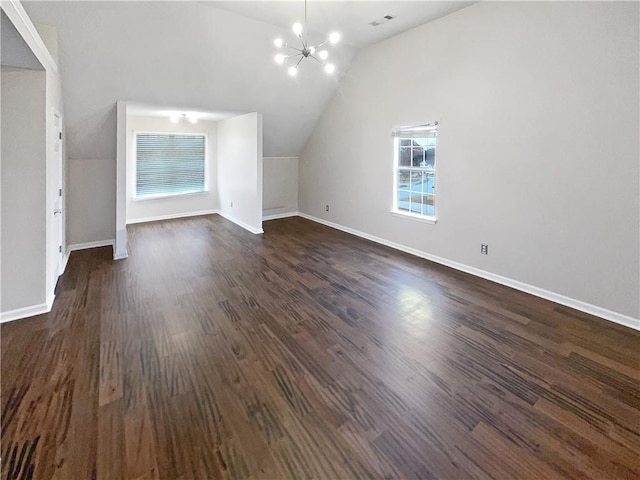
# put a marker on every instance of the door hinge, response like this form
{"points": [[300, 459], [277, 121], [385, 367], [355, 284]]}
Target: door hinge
{"points": [[59, 135], [60, 249], [59, 192]]}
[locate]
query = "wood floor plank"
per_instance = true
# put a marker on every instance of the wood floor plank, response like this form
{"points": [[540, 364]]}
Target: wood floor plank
{"points": [[213, 353]]}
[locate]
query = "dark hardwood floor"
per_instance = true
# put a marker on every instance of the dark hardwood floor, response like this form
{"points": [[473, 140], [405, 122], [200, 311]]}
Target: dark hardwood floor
{"points": [[308, 353]]}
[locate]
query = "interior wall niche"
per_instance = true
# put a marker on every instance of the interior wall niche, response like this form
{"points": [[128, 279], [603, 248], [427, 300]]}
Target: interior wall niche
{"points": [[233, 167]]}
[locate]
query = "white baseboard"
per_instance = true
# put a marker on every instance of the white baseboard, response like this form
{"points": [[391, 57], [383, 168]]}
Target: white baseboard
{"points": [[240, 223], [50, 299], [84, 246], [169, 217], [48, 305], [276, 216], [25, 312], [612, 316], [65, 260]]}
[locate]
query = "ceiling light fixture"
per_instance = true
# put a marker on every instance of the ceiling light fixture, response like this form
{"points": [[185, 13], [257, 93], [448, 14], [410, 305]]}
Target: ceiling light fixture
{"points": [[306, 50], [185, 117]]}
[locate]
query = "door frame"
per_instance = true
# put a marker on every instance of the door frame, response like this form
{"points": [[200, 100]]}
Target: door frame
{"points": [[58, 244]]}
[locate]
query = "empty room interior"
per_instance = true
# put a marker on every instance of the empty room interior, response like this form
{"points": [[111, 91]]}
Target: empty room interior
{"points": [[320, 239]]}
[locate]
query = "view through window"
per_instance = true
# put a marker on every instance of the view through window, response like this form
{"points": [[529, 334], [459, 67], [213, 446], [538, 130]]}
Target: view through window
{"points": [[415, 170]]}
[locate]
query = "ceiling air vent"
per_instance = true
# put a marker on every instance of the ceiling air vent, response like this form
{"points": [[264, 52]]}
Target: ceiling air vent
{"points": [[381, 20]]}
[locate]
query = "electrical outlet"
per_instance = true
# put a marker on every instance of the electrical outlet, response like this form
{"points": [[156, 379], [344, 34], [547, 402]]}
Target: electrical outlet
{"points": [[327, 208], [484, 249]]}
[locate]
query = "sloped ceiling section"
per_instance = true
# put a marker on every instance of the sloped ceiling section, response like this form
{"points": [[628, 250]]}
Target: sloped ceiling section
{"points": [[14, 52], [180, 54]]}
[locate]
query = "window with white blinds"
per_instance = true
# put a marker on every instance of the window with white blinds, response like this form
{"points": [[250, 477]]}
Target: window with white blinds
{"points": [[169, 164]]}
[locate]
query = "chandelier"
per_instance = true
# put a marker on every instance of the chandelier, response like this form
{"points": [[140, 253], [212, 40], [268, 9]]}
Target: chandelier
{"points": [[306, 50]]}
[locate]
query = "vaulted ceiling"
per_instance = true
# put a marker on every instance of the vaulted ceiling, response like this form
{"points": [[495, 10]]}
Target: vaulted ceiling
{"points": [[208, 56], [353, 18]]}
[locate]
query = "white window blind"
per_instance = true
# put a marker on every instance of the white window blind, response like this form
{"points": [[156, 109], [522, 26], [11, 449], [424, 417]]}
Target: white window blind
{"points": [[169, 164], [419, 131]]}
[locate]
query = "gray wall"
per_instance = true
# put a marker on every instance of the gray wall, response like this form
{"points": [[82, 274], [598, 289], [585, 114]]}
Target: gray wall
{"points": [[280, 185], [538, 144], [23, 223]]}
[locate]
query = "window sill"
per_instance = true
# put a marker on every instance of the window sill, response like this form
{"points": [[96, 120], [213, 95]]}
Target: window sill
{"points": [[414, 217], [166, 195]]}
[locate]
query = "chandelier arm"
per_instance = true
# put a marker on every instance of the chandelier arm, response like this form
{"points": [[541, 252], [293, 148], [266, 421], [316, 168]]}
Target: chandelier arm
{"points": [[317, 59], [294, 57]]}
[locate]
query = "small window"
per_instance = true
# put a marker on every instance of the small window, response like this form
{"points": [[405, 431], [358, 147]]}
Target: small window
{"points": [[415, 171], [169, 164]]}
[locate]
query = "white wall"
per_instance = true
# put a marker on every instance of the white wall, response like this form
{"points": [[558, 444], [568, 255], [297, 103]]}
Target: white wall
{"points": [[280, 186], [139, 210], [240, 170], [538, 144], [23, 152]]}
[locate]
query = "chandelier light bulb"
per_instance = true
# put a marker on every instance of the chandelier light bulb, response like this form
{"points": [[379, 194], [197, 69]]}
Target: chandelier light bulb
{"points": [[334, 38], [278, 42], [174, 119], [297, 28], [191, 118], [312, 50], [279, 58], [323, 54], [293, 71], [329, 68]]}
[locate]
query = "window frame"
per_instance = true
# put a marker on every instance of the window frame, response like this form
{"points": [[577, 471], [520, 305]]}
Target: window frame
{"points": [[136, 198], [395, 210]]}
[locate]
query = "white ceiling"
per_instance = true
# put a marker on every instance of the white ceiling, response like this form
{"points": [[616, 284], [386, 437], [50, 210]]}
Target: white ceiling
{"points": [[350, 18], [148, 110]]}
